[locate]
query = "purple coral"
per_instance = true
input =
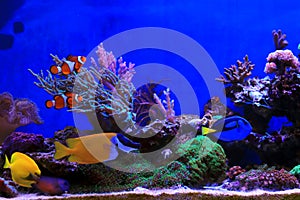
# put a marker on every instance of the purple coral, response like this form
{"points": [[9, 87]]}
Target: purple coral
{"points": [[23, 142], [268, 179], [279, 39], [15, 113], [280, 60], [237, 74]]}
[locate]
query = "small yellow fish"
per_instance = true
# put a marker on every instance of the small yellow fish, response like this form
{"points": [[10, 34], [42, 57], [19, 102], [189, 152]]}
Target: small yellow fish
{"points": [[206, 130], [24, 170], [88, 149]]}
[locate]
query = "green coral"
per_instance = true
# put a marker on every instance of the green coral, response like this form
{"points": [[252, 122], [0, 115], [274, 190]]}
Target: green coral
{"points": [[205, 159], [296, 172], [174, 174]]}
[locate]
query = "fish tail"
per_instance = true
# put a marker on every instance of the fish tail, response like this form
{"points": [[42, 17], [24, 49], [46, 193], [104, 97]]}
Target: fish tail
{"points": [[60, 150], [7, 163], [206, 130]]}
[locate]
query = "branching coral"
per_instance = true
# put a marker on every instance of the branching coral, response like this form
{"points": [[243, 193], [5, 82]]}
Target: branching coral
{"points": [[145, 105], [237, 74], [15, 113], [168, 112], [279, 39]]}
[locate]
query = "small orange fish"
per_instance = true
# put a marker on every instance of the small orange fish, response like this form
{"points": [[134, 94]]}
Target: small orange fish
{"points": [[67, 99], [78, 60], [72, 63]]}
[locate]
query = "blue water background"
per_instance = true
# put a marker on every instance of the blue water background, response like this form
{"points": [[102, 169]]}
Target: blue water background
{"points": [[228, 30]]}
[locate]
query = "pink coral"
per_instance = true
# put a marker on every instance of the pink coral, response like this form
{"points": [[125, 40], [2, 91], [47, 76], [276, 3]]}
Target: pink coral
{"points": [[279, 60], [270, 68]]}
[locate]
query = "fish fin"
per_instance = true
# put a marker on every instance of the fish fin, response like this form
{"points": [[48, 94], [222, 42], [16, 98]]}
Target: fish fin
{"points": [[206, 130], [7, 163], [33, 177], [72, 142], [54, 69], [60, 150], [74, 158]]}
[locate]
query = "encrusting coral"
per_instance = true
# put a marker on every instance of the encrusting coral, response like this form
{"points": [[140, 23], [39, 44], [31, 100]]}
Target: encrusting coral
{"points": [[15, 113], [268, 179]]}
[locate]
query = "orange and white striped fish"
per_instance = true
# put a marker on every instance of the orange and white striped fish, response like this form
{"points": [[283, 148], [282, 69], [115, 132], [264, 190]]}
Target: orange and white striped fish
{"points": [[70, 64], [67, 99]]}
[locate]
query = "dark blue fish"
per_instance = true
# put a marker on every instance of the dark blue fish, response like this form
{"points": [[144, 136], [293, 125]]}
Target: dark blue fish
{"points": [[231, 129], [124, 143], [52, 185]]}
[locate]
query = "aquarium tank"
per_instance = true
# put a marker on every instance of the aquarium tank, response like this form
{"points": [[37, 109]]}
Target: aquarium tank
{"points": [[150, 99]]}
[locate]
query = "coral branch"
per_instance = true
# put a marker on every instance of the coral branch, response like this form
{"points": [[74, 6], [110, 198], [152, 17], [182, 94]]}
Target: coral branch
{"points": [[169, 112], [279, 39], [237, 74]]}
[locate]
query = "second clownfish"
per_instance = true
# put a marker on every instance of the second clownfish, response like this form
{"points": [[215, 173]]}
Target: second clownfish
{"points": [[72, 63], [67, 99]]}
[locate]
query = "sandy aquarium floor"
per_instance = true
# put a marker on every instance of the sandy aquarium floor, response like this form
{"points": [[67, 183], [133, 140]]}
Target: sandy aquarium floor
{"points": [[178, 194]]}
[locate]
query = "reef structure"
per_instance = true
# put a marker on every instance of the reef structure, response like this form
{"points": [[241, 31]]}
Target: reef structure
{"points": [[266, 97], [261, 99], [15, 113]]}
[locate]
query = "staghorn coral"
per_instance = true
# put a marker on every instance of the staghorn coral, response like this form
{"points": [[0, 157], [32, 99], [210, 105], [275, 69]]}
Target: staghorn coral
{"points": [[237, 74], [168, 112], [268, 179], [279, 39], [15, 113]]}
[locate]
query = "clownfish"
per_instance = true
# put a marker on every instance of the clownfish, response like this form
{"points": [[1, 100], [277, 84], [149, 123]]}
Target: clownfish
{"points": [[67, 99], [24, 171], [70, 64]]}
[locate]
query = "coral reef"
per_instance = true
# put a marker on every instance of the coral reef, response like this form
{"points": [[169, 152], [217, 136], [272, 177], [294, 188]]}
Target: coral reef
{"points": [[202, 163], [15, 113], [23, 142], [234, 171], [268, 179], [277, 149], [267, 97]]}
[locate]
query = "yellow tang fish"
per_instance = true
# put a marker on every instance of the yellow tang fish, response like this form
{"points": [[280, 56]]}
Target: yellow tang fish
{"points": [[89, 149], [24, 170]]}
